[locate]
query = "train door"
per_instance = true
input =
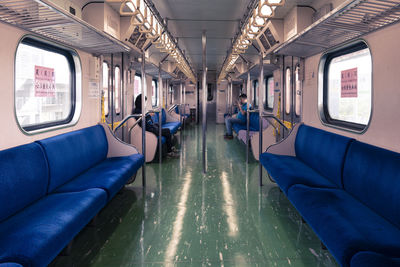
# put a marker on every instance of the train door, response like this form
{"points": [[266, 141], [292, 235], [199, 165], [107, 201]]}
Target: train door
{"points": [[292, 80], [113, 90]]}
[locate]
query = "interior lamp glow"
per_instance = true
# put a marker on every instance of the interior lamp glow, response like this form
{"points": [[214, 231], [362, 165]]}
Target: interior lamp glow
{"points": [[275, 2], [265, 10]]}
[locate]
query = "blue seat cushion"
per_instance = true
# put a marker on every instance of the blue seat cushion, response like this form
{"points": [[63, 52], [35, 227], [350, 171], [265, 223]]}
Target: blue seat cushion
{"points": [[10, 264], [372, 259], [254, 121], [36, 235], [172, 126], [23, 178], [288, 171], [110, 175], [372, 175], [323, 151], [72, 153], [344, 224], [241, 126], [163, 139]]}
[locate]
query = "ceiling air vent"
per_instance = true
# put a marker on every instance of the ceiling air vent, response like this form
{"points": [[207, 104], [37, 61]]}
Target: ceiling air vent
{"points": [[271, 35]]}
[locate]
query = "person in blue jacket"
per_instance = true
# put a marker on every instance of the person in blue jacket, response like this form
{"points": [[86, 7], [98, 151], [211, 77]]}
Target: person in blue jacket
{"points": [[239, 118]]}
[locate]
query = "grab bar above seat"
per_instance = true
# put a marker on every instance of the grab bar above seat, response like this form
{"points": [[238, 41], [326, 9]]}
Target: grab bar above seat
{"points": [[271, 116]]}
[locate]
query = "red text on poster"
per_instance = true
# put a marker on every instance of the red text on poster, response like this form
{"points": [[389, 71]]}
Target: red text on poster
{"points": [[45, 83], [349, 83]]}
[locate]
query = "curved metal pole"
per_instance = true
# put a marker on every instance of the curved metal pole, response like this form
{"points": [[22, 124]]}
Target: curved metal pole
{"points": [[204, 45], [184, 103], [261, 92], [124, 121], [160, 97], [248, 114], [144, 89]]}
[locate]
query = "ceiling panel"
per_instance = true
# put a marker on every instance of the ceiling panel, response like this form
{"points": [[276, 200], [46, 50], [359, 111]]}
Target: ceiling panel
{"points": [[188, 18]]}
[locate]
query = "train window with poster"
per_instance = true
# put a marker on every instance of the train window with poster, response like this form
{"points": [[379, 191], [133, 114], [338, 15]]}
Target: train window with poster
{"points": [[298, 91], [47, 85], [105, 91], [288, 90], [255, 94], [347, 87], [117, 90], [269, 93], [154, 93]]}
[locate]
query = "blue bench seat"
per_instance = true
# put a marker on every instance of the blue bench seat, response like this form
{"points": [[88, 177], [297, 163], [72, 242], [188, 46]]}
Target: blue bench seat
{"points": [[54, 187], [38, 233], [173, 126], [372, 259], [346, 190], [344, 224], [289, 170], [110, 175]]}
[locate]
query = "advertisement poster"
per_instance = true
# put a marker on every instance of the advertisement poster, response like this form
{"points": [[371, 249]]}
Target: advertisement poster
{"points": [[45, 83], [349, 83]]}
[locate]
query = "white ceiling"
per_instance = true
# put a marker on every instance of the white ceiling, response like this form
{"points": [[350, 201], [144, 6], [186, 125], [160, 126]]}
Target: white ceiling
{"points": [[188, 18]]}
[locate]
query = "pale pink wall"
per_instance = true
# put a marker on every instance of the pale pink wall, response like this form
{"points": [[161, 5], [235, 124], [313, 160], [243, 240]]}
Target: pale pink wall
{"points": [[384, 129], [10, 134]]}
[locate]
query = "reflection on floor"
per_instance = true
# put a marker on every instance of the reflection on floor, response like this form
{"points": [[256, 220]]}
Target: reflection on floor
{"points": [[185, 218]]}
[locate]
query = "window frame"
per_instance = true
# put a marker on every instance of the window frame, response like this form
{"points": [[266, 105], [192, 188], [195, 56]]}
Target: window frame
{"points": [[140, 84], [108, 89], [255, 83], [298, 81], [74, 64], [288, 91], [325, 61], [266, 78], [156, 92], [119, 100]]}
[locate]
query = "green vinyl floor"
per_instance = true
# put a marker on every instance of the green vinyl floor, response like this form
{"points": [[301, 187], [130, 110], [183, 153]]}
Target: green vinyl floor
{"points": [[186, 218]]}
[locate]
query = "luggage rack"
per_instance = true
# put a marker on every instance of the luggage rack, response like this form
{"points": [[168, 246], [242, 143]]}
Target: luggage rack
{"points": [[45, 19], [350, 20]]}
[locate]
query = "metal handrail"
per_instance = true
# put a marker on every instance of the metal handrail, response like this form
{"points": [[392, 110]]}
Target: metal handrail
{"points": [[172, 107], [133, 126], [271, 116], [125, 120]]}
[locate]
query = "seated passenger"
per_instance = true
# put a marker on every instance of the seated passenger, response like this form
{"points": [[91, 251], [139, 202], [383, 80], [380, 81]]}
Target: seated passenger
{"points": [[239, 118], [154, 128]]}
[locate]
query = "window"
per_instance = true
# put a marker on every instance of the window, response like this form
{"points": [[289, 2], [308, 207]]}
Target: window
{"points": [[347, 87], [105, 88], [288, 91], [154, 94], [255, 94], [117, 90], [45, 85], [137, 85], [298, 91], [210, 95], [269, 93], [171, 91]]}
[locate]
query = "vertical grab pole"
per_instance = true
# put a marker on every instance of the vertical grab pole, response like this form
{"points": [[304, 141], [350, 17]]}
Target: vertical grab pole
{"points": [[122, 91], [181, 101], [184, 103], [248, 114], [160, 94], [227, 97], [144, 89], [204, 44], [261, 92], [112, 92], [230, 98]]}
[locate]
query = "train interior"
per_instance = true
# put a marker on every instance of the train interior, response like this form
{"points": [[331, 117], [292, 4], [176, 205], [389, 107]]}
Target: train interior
{"points": [[268, 134]]}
